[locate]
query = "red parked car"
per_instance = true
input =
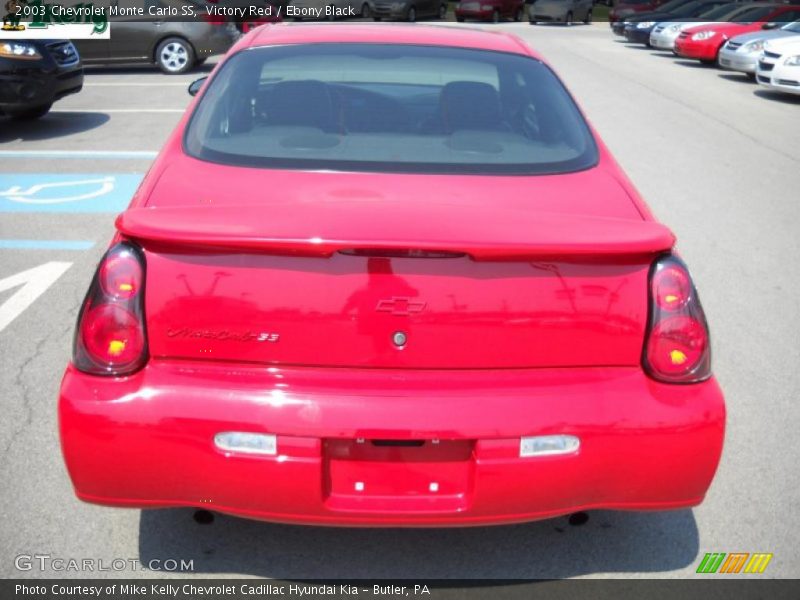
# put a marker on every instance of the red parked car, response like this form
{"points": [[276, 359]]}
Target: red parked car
{"points": [[420, 296], [630, 8], [490, 10], [705, 41]]}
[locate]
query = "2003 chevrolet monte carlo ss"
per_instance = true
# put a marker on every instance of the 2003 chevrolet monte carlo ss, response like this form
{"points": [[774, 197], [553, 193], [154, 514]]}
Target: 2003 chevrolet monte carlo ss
{"points": [[388, 275]]}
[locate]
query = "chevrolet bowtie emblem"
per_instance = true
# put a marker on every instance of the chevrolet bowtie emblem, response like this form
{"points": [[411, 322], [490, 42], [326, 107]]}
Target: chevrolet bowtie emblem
{"points": [[400, 306]]}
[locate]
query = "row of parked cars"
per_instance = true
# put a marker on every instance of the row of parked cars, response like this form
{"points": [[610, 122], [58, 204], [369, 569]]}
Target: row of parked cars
{"points": [[758, 38]]}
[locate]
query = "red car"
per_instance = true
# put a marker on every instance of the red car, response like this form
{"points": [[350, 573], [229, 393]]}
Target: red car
{"points": [[490, 10], [704, 42], [422, 295], [630, 8]]}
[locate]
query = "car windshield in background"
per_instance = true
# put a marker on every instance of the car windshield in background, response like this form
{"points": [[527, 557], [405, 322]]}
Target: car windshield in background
{"points": [[752, 15], [686, 10], [392, 108], [725, 11], [671, 5]]}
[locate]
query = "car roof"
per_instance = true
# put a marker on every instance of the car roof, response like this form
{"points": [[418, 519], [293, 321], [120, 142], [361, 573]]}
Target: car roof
{"points": [[385, 33]]}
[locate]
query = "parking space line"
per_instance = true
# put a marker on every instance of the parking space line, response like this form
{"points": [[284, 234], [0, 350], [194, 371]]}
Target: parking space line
{"points": [[79, 154], [46, 244], [137, 84], [118, 110]]}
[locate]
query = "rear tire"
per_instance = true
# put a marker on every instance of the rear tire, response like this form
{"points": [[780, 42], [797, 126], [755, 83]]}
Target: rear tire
{"points": [[29, 113], [175, 56]]}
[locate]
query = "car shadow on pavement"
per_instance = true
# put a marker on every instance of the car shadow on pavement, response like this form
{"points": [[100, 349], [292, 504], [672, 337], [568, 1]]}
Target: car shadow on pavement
{"points": [[738, 78], [778, 96], [609, 542], [52, 125], [695, 64]]}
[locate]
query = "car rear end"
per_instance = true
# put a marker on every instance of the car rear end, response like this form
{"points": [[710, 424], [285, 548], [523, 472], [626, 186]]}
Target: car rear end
{"points": [[479, 10], [36, 73], [628, 8], [549, 11], [340, 346]]}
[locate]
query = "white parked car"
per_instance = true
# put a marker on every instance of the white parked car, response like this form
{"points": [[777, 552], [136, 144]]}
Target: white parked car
{"points": [[664, 34], [741, 53], [779, 65]]}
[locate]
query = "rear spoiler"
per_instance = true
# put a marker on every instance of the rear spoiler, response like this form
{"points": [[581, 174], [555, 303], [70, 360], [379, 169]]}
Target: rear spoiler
{"points": [[322, 229]]}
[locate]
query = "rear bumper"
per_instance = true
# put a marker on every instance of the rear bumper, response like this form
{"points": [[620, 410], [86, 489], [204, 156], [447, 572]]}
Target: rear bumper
{"points": [[147, 441]]}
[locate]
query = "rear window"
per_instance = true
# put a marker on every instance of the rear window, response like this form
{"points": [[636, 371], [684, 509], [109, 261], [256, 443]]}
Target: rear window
{"points": [[393, 108]]}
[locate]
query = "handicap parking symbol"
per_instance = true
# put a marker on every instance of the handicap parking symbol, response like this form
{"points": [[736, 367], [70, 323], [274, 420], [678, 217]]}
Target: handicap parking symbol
{"points": [[70, 193]]}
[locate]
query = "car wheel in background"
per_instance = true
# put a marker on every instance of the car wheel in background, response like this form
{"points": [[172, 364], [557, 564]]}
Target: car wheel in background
{"points": [[460, 19], [588, 18], [568, 20], [365, 12], [175, 55], [33, 112], [443, 11], [411, 17]]}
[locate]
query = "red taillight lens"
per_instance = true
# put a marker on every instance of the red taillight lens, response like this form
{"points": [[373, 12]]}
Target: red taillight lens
{"points": [[110, 339], [677, 349], [671, 287], [120, 274]]}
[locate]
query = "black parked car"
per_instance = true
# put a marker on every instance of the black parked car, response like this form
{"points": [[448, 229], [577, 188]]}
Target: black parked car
{"points": [[639, 27], [36, 73]]}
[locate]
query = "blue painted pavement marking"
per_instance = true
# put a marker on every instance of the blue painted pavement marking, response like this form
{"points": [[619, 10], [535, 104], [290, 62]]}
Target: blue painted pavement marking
{"points": [[45, 244], [66, 193]]}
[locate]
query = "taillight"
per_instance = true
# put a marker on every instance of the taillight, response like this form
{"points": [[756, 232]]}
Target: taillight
{"points": [[677, 347], [111, 338]]}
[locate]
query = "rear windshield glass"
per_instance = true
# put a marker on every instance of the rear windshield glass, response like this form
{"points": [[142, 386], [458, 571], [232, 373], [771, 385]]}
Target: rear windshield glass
{"points": [[393, 108]]}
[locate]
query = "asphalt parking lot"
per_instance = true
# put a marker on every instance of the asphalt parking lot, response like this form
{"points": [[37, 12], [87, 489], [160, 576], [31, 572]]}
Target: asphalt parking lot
{"points": [[716, 158]]}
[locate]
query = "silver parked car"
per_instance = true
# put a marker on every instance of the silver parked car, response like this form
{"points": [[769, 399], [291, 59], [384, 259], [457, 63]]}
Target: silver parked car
{"points": [[174, 45], [560, 11], [741, 53]]}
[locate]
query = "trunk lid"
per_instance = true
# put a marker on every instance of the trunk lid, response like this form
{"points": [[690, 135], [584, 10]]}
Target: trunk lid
{"points": [[329, 276]]}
